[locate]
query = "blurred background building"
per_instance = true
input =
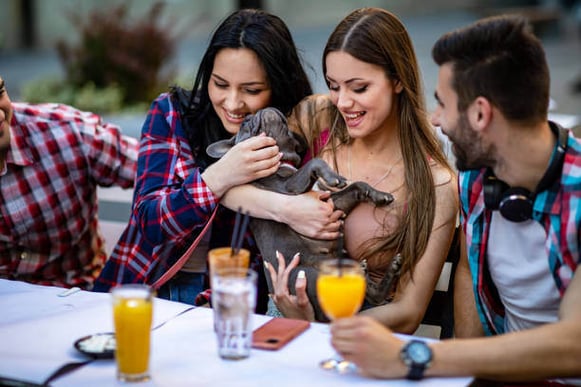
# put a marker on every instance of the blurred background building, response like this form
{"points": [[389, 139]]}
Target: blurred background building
{"points": [[30, 29], [39, 23]]}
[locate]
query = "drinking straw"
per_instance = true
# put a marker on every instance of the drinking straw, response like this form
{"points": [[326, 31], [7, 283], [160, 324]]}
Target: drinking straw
{"points": [[235, 233], [340, 247], [242, 232]]}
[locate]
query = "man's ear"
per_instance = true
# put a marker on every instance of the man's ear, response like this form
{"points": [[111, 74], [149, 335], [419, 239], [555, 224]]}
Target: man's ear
{"points": [[480, 113]]}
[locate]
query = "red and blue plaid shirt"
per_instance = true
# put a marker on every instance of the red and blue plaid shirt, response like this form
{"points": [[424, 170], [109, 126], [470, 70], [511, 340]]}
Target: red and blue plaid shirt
{"points": [[48, 201], [557, 208], [171, 205]]}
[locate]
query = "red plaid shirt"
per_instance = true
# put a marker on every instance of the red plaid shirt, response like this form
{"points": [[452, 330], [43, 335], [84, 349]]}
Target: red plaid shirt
{"points": [[171, 205], [48, 202]]}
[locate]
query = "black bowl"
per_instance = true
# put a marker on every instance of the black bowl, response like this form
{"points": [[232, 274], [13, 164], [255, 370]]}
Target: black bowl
{"points": [[97, 346]]}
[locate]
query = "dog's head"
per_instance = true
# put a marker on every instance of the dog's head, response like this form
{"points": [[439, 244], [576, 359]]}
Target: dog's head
{"points": [[273, 123]]}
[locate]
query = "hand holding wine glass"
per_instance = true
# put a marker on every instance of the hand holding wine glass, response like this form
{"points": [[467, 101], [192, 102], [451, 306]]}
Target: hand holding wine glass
{"points": [[341, 291]]}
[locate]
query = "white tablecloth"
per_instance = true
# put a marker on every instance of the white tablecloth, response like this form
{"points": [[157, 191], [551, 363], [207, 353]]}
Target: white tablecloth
{"points": [[38, 329]]}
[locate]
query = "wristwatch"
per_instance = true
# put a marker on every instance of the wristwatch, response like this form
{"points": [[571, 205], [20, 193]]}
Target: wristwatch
{"points": [[417, 356]]}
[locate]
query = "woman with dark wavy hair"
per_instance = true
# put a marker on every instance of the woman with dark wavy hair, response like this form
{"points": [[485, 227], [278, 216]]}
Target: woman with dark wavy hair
{"points": [[251, 63]]}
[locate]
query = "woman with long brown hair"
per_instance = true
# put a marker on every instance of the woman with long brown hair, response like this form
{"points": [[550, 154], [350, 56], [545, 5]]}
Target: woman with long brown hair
{"points": [[373, 127]]}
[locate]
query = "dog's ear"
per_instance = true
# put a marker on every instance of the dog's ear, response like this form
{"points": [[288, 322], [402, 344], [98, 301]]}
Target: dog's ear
{"points": [[219, 148]]}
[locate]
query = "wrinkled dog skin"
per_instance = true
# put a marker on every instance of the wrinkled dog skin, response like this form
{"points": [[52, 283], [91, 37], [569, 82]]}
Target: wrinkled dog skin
{"points": [[270, 235]]}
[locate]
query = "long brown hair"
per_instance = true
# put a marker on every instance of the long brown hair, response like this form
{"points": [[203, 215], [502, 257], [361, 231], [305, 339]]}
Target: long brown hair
{"points": [[376, 36]]}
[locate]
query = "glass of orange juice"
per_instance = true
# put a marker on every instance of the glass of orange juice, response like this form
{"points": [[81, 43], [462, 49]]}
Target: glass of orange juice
{"points": [[341, 291], [132, 315]]}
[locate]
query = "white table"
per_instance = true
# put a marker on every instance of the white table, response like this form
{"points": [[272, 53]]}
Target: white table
{"points": [[38, 329]]}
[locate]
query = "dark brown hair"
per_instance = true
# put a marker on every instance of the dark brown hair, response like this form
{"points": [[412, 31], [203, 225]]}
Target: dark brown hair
{"points": [[269, 37], [500, 59]]}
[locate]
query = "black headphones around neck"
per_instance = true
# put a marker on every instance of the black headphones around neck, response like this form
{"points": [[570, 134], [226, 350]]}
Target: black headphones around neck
{"points": [[516, 203]]}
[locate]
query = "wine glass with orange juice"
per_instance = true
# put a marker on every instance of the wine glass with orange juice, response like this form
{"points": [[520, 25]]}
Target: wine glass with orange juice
{"points": [[341, 291]]}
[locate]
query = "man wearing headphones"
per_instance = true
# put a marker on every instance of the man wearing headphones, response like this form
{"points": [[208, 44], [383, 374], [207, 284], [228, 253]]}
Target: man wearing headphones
{"points": [[520, 191]]}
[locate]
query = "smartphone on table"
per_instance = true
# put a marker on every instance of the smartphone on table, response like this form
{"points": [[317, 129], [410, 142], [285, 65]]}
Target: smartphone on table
{"points": [[277, 332]]}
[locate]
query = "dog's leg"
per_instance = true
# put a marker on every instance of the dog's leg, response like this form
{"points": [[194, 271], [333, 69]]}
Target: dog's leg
{"points": [[357, 192], [304, 179], [377, 293]]}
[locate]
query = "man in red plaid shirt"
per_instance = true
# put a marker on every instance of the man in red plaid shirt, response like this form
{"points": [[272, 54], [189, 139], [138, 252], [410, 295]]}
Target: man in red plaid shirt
{"points": [[52, 158]]}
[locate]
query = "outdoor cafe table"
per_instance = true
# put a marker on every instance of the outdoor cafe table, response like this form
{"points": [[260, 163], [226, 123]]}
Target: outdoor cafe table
{"points": [[38, 328]]}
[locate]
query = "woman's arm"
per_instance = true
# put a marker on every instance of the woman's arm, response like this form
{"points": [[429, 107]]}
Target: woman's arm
{"points": [[310, 214], [406, 311], [249, 160], [172, 196], [466, 320]]}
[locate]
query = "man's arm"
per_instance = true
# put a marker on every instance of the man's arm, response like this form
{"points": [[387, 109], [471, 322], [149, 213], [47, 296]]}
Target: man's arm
{"points": [[113, 155], [550, 351], [466, 321]]}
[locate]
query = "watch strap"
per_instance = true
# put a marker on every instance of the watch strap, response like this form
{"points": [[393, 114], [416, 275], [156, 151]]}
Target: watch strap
{"points": [[416, 372]]}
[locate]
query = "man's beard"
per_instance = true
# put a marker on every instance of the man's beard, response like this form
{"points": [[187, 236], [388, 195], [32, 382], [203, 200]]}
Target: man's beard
{"points": [[467, 147]]}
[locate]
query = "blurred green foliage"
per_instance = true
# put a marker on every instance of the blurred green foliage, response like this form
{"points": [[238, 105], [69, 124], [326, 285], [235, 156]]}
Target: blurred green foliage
{"points": [[115, 64], [88, 97]]}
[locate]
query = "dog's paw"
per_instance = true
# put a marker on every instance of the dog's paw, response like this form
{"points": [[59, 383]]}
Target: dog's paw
{"points": [[385, 200], [338, 183], [330, 184]]}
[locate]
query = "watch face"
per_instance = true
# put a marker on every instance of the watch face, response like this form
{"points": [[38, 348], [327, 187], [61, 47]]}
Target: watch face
{"points": [[419, 352]]}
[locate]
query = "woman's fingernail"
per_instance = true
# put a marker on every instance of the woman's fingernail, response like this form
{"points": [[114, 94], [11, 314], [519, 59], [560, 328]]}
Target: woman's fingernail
{"points": [[277, 254], [266, 265], [301, 275], [297, 255]]}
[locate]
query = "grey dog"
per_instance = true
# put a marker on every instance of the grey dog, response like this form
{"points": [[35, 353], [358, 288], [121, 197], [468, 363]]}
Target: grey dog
{"points": [[290, 179]]}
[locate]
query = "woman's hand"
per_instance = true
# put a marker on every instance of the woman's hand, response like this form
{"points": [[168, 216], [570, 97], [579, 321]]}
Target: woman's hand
{"points": [[291, 306], [312, 214], [251, 159]]}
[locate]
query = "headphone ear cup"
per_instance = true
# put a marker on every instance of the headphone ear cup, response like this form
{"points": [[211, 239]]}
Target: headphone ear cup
{"points": [[493, 191], [516, 204]]}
